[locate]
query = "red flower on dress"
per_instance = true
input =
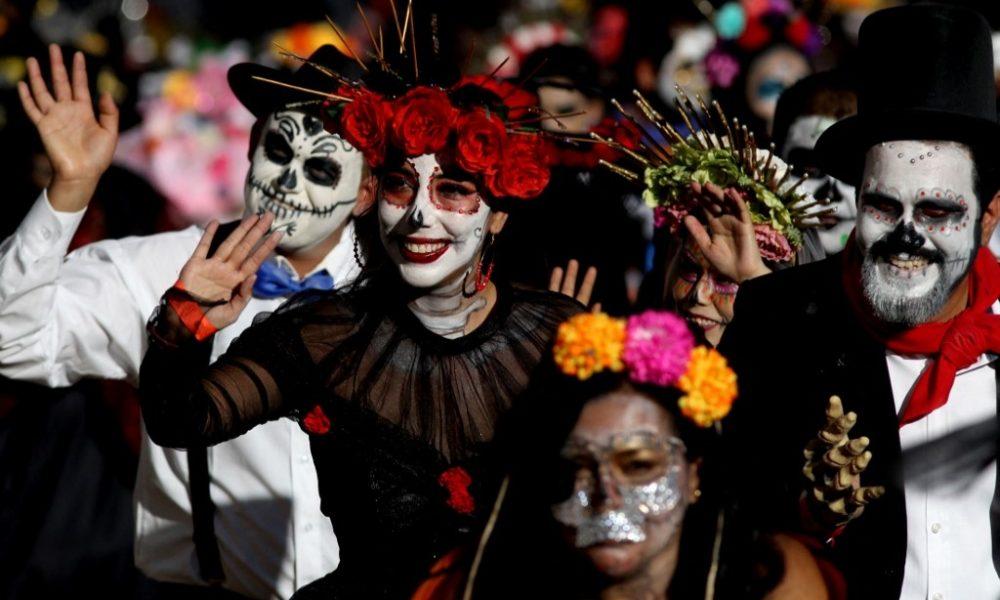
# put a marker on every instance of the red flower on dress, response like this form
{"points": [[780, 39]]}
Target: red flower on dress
{"points": [[457, 481], [316, 422], [422, 120], [365, 123], [480, 143], [524, 172]]}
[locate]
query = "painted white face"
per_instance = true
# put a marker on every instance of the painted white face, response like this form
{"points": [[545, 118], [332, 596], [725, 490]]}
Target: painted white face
{"points": [[838, 196], [433, 221], [918, 226], [307, 177]]}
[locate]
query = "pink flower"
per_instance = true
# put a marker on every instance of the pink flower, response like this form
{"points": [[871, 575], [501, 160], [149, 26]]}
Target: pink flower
{"points": [[773, 246], [658, 347], [721, 68]]}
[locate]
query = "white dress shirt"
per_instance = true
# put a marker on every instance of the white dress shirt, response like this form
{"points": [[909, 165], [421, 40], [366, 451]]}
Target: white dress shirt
{"points": [[949, 549], [63, 318]]}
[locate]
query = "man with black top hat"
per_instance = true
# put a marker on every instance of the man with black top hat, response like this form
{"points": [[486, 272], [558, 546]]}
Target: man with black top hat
{"points": [[903, 325], [242, 519]]}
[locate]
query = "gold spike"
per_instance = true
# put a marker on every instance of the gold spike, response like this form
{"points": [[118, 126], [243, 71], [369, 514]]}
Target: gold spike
{"points": [[662, 156], [629, 175], [371, 34], [790, 191], [413, 41], [784, 177], [500, 66], [724, 120], [770, 155], [343, 40], [301, 89], [395, 20], [406, 23], [643, 102], [620, 147], [690, 126], [306, 61]]}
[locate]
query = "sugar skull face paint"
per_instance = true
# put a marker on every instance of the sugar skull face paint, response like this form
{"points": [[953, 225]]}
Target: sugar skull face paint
{"points": [[834, 194], [307, 177], [433, 221], [918, 226], [703, 295], [630, 483]]}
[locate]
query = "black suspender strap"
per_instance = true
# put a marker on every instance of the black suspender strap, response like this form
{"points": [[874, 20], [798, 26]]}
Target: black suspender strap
{"points": [[206, 545]]}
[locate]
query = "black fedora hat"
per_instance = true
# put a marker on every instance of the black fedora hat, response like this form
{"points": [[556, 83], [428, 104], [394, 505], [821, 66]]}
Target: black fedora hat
{"points": [[262, 98], [925, 73]]}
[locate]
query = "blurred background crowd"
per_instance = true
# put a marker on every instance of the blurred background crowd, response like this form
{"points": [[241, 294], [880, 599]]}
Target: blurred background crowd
{"points": [[68, 456]]}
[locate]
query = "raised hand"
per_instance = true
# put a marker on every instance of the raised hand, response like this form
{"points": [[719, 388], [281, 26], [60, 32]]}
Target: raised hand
{"points": [[729, 243], [222, 283], [79, 145], [565, 283], [834, 464]]}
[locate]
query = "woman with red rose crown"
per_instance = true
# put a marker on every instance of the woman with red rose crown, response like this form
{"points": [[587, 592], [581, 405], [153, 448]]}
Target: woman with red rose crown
{"points": [[402, 379]]}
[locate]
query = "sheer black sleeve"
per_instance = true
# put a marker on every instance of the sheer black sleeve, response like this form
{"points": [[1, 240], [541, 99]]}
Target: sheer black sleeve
{"points": [[187, 403]]}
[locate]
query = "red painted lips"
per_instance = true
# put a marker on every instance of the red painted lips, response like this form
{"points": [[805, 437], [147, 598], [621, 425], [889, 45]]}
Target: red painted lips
{"points": [[422, 250]]}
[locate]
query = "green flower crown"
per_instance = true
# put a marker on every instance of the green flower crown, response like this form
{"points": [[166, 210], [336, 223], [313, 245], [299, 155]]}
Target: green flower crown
{"points": [[723, 153]]}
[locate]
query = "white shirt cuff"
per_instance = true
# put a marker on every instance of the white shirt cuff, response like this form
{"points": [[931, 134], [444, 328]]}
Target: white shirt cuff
{"points": [[46, 231]]}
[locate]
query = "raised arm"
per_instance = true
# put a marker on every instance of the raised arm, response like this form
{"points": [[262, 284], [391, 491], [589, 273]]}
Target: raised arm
{"points": [[52, 329], [187, 403]]}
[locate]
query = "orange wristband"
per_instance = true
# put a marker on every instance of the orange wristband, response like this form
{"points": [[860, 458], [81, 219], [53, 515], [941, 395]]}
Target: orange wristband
{"points": [[191, 314]]}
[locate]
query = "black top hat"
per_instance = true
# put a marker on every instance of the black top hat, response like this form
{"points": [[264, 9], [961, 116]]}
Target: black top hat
{"points": [[926, 73], [262, 98]]}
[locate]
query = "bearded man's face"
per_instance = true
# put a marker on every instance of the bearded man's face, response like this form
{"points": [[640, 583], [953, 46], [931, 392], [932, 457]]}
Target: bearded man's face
{"points": [[918, 226]]}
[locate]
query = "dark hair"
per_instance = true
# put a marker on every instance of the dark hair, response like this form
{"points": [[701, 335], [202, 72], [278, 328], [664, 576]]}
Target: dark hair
{"points": [[528, 540], [830, 93]]}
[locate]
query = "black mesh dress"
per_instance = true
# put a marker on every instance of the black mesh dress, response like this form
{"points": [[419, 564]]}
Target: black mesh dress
{"points": [[405, 406]]}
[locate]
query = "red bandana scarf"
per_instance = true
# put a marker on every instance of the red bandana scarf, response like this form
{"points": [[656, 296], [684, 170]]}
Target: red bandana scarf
{"points": [[952, 345]]}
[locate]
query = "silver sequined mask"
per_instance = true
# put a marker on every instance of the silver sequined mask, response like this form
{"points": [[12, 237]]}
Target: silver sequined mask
{"points": [[621, 514]]}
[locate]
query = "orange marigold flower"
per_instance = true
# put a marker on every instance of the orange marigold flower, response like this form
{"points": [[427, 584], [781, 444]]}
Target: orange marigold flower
{"points": [[709, 387], [589, 343]]}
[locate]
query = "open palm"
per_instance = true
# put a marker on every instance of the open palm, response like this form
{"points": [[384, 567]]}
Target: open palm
{"points": [[222, 282], [729, 243], [79, 144]]}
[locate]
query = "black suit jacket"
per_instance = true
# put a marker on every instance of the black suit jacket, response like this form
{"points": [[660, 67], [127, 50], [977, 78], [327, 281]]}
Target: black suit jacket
{"points": [[793, 343]]}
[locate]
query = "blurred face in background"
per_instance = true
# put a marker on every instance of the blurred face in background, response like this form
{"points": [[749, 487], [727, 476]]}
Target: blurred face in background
{"points": [[769, 75], [833, 194]]}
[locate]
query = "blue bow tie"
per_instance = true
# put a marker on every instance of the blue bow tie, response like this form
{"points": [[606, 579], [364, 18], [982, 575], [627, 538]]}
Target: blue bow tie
{"points": [[274, 281]]}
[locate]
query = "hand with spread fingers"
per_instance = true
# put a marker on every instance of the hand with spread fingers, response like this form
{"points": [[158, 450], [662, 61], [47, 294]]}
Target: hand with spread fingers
{"points": [[565, 283], [729, 243], [834, 464], [222, 283], [79, 144]]}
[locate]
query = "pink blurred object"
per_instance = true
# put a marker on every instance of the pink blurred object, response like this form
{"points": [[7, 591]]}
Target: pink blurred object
{"points": [[192, 142]]}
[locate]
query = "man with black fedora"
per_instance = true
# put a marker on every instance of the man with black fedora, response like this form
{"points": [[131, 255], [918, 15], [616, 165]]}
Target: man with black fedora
{"points": [[903, 326], [241, 519]]}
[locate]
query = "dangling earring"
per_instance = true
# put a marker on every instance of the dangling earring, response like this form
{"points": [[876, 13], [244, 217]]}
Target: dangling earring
{"points": [[483, 276], [357, 252]]}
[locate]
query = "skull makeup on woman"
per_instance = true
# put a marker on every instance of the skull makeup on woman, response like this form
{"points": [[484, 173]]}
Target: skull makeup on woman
{"points": [[613, 493], [401, 379], [307, 177]]}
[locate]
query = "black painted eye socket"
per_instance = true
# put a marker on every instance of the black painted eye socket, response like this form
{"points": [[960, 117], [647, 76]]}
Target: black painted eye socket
{"points": [[322, 171], [276, 148]]}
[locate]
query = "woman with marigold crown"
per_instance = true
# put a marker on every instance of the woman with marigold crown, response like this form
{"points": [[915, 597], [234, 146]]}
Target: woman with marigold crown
{"points": [[615, 489], [401, 379]]}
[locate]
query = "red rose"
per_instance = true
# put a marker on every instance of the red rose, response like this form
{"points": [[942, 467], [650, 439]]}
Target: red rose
{"points": [[517, 100], [524, 172], [316, 422], [364, 123], [481, 139], [422, 120], [457, 481]]}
